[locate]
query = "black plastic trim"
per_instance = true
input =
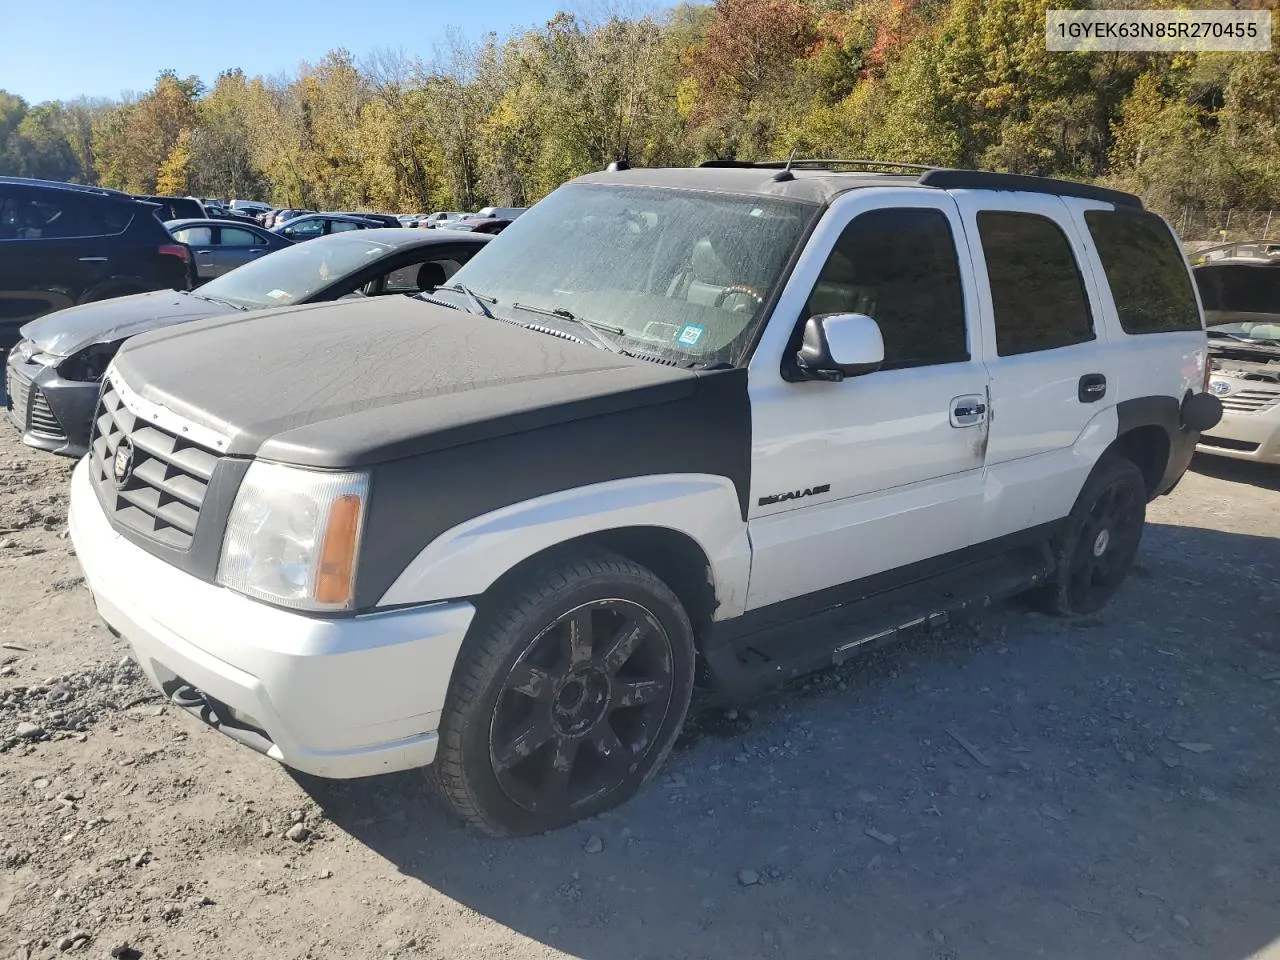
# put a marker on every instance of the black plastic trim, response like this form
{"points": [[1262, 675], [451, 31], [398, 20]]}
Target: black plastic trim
{"points": [[947, 179], [1166, 412], [414, 500], [795, 609]]}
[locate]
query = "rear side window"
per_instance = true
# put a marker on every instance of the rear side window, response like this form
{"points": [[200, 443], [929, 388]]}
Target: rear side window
{"points": [[899, 267], [235, 237], [1037, 293], [1145, 270], [57, 215]]}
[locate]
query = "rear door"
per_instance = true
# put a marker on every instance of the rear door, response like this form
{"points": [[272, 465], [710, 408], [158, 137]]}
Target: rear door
{"points": [[200, 239], [1052, 392], [51, 251]]}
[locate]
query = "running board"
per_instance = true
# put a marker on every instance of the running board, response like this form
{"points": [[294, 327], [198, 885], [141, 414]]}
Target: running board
{"points": [[746, 665]]}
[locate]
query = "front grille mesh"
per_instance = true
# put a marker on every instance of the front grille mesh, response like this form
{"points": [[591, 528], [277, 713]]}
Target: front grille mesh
{"points": [[163, 494], [1251, 401]]}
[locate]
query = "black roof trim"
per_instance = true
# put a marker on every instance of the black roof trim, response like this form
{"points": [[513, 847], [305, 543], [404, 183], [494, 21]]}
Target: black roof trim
{"points": [[61, 185], [807, 163], [945, 179]]}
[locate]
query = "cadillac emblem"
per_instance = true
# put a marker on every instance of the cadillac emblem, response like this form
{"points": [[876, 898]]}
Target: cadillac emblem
{"points": [[122, 465]]}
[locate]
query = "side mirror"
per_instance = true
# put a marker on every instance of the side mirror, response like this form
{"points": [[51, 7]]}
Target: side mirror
{"points": [[839, 345]]}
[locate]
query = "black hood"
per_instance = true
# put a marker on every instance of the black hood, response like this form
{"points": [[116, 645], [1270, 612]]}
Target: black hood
{"points": [[105, 321], [362, 382]]}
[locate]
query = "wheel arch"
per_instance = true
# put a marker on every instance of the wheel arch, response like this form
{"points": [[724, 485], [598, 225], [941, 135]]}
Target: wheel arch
{"points": [[687, 528], [114, 287], [674, 557], [1151, 435]]}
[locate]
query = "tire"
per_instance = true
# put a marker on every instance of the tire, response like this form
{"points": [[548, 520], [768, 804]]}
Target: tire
{"points": [[1093, 555], [566, 697]]}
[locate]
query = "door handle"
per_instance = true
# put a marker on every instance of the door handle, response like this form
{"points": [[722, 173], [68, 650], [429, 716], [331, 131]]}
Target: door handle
{"points": [[968, 411], [1093, 387], [93, 259], [205, 253]]}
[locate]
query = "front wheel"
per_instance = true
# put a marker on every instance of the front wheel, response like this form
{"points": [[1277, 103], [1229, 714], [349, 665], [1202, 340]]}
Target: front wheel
{"points": [[566, 697], [1101, 539]]}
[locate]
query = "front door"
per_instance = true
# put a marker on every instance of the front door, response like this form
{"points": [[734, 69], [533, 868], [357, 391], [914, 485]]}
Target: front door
{"points": [[882, 470], [1051, 371]]}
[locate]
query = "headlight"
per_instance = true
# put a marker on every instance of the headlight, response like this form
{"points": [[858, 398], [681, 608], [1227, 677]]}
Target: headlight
{"points": [[294, 535], [25, 351], [89, 364]]}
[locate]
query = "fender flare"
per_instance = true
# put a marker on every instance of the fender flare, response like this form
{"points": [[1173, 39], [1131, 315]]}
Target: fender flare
{"points": [[467, 559]]}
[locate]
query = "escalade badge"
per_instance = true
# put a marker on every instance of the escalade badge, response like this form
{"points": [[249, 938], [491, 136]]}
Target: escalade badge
{"points": [[773, 498], [122, 465]]}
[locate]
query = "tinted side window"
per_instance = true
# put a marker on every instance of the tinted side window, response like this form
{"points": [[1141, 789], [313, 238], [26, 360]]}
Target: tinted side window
{"points": [[1145, 271], [46, 215], [196, 236], [899, 267], [307, 228], [339, 226], [1037, 292], [236, 237]]}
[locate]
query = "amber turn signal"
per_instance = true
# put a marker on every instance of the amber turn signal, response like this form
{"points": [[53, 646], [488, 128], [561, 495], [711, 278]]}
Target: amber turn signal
{"points": [[335, 574]]}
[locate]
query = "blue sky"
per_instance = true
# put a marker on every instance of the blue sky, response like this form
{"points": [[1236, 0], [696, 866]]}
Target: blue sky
{"points": [[60, 49]]}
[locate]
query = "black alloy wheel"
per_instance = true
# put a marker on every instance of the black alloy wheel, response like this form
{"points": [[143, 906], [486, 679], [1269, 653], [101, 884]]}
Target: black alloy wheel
{"points": [[1101, 540], [568, 693], [582, 706]]}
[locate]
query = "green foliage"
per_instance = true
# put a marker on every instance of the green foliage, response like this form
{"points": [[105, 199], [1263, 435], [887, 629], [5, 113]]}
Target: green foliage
{"points": [[505, 120]]}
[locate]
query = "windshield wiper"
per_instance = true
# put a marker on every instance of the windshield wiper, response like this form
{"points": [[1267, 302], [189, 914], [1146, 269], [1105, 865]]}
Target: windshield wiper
{"points": [[591, 326], [476, 300], [224, 302]]}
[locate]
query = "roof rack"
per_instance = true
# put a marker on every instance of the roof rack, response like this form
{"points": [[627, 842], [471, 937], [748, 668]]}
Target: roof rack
{"points": [[805, 163], [945, 179], [62, 185]]}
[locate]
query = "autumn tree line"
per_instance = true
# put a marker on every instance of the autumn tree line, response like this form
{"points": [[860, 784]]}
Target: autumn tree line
{"points": [[506, 120]]}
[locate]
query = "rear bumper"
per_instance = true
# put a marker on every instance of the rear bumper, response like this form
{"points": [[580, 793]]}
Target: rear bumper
{"points": [[331, 697]]}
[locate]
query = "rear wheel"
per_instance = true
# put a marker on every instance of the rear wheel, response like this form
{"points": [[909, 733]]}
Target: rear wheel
{"points": [[566, 698], [1103, 532]]}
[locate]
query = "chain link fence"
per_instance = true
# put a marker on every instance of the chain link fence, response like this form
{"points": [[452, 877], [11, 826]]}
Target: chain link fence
{"points": [[1199, 227]]}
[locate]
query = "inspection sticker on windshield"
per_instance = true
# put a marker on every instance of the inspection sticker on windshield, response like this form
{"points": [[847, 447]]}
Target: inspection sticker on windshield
{"points": [[690, 335], [278, 294]]}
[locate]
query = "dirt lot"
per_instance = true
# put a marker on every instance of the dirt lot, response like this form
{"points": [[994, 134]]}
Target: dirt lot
{"points": [[1019, 788]]}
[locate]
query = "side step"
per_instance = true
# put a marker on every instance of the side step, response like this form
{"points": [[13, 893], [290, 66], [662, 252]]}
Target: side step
{"points": [[746, 665]]}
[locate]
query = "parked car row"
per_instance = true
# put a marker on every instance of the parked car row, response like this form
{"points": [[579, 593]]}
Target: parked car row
{"points": [[722, 425]]}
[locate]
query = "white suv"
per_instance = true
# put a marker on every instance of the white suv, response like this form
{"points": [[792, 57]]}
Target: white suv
{"points": [[732, 423]]}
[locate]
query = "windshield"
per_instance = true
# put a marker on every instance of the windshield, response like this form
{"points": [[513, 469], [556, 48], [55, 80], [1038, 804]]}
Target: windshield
{"points": [[293, 274], [1251, 331], [681, 274]]}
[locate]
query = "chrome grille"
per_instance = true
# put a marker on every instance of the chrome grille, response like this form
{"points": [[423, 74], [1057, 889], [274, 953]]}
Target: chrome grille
{"points": [[161, 496], [18, 389], [43, 422], [1251, 401]]}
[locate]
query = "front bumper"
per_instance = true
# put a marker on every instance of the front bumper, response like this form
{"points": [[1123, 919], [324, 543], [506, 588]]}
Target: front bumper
{"points": [[53, 413], [1245, 436], [331, 697]]}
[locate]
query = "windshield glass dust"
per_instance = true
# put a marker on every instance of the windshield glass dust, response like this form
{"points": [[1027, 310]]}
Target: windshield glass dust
{"points": [[682, 274], [291, 275]]}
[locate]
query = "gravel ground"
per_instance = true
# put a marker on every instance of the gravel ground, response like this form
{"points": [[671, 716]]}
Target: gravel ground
{"points": [[1020, 787]]}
